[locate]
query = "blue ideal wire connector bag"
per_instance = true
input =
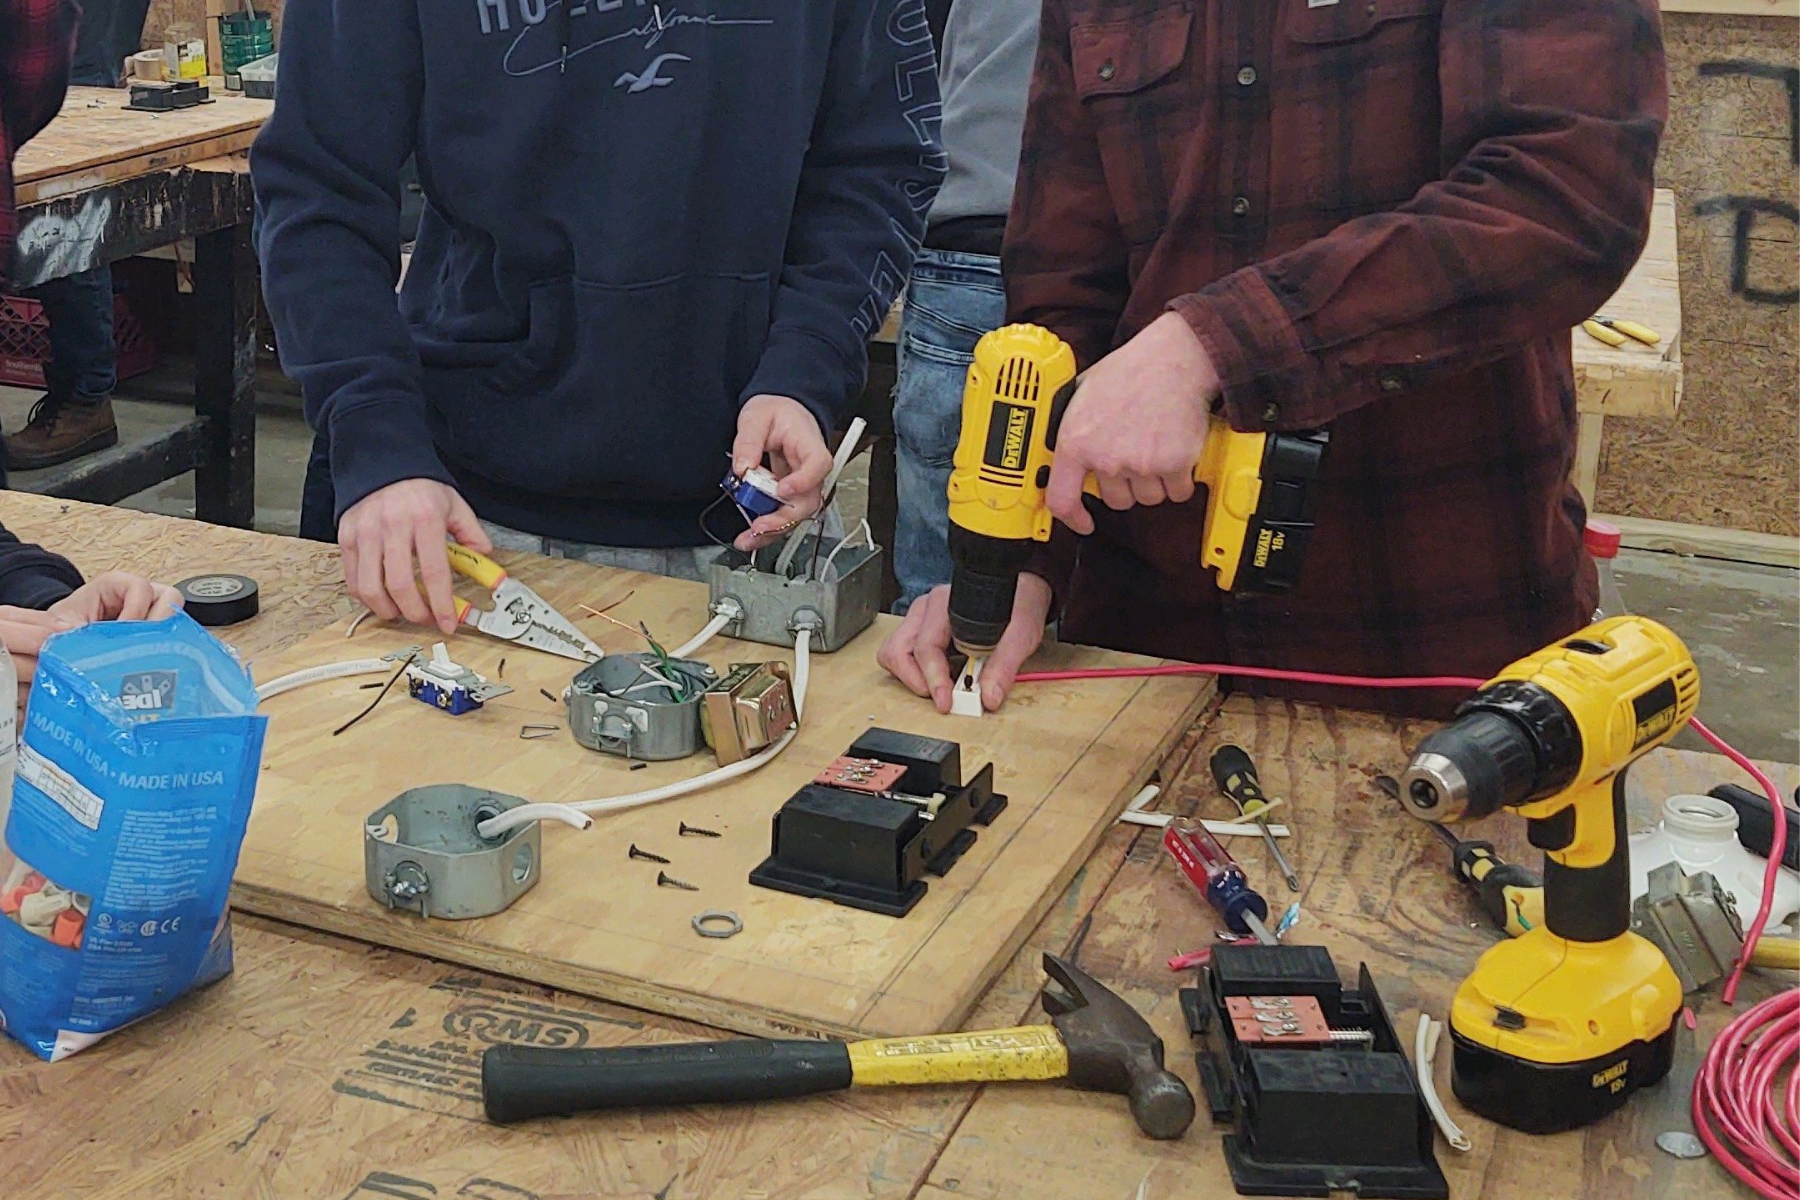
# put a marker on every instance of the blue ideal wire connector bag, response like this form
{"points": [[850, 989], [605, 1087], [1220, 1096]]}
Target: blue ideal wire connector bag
{"points": [[138, 760]]}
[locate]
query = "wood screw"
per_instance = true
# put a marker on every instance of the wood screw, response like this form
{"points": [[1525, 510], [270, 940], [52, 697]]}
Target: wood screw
{"points": [[664, 879], [695, 831], [644, 855]]}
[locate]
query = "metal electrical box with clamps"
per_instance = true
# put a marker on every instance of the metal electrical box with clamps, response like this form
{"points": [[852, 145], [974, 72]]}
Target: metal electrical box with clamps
{"points": [[640, 706], [423, 853]]}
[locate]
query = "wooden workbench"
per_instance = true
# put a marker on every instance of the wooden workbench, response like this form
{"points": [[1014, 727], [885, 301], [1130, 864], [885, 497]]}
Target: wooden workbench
{"points": [[102, 183], [325, 1068]]}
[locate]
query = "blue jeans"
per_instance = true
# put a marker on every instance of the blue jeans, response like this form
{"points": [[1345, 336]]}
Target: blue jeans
{"points": [[79, 308], [951, 301]]}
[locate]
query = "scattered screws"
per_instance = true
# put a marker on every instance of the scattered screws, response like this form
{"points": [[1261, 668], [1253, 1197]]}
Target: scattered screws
{"points": [[545, 693], [638, 766], [500, 671], [645, 855], [695, 831], [664, 879]]}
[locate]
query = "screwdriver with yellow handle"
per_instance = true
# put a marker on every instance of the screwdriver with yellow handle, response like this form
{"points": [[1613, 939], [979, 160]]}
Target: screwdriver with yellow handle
{"points": [[1095, 1041], [1615, 332]]}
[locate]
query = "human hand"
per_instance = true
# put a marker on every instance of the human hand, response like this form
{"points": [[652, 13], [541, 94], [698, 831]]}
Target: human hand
{"points": [[917, 653], [117, 596], [24, 631], [1137, 424], [384, 533], [785, 431]]}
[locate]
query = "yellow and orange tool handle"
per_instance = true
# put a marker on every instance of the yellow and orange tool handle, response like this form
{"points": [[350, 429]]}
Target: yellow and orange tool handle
{"points": [[520, 1082], [475, 566], [1614, 332]]}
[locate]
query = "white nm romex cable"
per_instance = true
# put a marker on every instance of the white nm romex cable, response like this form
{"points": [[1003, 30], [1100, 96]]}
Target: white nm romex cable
{"points": [[312, 675], [573, 813], [1425, 1043]]}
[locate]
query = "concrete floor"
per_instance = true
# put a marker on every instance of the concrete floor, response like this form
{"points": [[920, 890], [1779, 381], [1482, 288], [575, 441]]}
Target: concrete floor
{"points": [[1741, 621]]}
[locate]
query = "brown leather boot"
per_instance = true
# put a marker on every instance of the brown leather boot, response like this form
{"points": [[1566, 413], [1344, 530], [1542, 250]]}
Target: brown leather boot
{"points": [[59, 430]]}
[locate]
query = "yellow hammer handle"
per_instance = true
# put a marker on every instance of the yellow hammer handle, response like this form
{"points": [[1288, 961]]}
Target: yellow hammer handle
{"points": [[1026, 1052], [478, 567]]}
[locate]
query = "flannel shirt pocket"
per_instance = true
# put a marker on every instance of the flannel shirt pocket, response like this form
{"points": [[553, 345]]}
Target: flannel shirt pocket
{"points": [[1365, 77], [1141, 108]]}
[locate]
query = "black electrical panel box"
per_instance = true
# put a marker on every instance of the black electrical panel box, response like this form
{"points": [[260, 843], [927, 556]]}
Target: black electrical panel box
{"points": [[1314, 1119], [873, 850]]}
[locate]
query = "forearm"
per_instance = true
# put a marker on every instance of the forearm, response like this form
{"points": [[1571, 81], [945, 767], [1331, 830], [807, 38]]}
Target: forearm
{"points": [[870, 174], [327, 191], [32, 577]]}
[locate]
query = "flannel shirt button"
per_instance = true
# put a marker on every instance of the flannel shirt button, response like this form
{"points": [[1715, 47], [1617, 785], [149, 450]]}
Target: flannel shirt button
{"points": [[1271, 413], [1240, 206], [1246, 75], [1391, 382], [1106, 69]]}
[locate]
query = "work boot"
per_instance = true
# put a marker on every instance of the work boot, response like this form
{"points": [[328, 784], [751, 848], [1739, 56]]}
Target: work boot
{"points": [[59, 430]]}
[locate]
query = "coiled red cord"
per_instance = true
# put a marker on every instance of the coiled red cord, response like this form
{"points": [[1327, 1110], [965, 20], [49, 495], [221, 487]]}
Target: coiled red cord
{"points": [[1751, 1125]]}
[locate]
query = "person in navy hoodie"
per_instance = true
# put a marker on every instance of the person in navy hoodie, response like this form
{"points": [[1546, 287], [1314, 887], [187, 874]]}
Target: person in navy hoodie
{"points": [[656, 239]]}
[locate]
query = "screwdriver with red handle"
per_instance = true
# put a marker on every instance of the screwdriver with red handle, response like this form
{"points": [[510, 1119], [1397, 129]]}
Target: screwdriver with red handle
{"points": [[1218, 877]]}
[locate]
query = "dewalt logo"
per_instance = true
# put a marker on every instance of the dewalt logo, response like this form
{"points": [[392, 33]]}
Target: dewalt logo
{"points": [[1009, 437], [1018, 424], [1269, 543], [1654, 713]]}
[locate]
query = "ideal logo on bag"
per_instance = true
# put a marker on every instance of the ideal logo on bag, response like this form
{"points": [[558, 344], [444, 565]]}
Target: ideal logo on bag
{"points": [[147, 691]]}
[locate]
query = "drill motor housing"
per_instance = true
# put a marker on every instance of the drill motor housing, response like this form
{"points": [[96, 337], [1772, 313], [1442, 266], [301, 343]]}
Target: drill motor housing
{"points": [[1559, 1026], [1259, 499]]}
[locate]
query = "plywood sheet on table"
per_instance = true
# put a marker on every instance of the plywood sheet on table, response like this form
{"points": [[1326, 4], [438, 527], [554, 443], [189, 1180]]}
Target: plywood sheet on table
{"points": [[1374, 890], [325, 1068], [96, 140], [1067, 755]]}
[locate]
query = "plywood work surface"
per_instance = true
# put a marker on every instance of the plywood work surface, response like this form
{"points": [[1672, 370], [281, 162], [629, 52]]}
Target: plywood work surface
{"points": [[96, 140], [324, 1067], [597, 923]]}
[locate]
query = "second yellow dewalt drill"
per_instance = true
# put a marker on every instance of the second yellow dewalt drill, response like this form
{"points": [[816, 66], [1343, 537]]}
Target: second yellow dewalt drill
{"points": [[1558, 1026], [1258, 506]]}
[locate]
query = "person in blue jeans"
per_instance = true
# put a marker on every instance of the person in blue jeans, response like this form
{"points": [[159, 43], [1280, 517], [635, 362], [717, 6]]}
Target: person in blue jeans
{"points": [[75, 415], [955, 294]]}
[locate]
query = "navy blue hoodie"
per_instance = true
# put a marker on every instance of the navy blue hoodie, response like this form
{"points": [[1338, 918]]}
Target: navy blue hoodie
{"points": [[638, 216]]}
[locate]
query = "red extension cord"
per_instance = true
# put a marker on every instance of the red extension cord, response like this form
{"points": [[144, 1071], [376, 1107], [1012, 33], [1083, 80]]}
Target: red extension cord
{"points": [[1734, 1109]]}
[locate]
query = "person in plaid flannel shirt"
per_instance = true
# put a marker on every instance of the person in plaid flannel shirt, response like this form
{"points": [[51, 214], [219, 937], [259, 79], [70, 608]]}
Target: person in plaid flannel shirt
{"points": [[37, 38], [1381, 217]]}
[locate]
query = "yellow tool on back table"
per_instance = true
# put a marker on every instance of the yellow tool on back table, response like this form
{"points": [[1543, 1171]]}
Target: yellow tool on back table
{"points": [[519, 614]]}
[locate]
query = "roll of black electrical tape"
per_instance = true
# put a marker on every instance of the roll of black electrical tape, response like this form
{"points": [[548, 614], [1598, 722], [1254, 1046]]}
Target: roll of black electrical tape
{"points": [[219, 600]]}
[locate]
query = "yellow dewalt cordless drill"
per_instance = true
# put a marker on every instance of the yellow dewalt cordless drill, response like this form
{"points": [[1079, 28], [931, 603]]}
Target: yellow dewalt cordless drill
{"points": [[1559, 1026], [1258, 507]]}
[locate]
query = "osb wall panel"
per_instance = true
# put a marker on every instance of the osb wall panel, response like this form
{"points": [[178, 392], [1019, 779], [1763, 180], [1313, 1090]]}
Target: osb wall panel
{"points": [[1731, 154]]}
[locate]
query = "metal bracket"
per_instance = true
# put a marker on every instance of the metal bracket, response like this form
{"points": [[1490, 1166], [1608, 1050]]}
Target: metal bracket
{"points": [[775, 608], [421, 853], [1693, 921], [608, 713]]}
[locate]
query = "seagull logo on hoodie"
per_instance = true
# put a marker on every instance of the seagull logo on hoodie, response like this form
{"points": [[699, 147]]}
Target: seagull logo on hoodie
{"points": [[649, 78]]}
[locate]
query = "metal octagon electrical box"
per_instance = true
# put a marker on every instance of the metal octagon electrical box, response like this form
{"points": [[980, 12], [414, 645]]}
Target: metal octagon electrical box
{"points": [[422, 853]]}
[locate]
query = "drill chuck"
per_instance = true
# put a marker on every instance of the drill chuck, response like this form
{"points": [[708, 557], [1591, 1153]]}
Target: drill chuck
{"points": [[984, 580], [1479, 763]]}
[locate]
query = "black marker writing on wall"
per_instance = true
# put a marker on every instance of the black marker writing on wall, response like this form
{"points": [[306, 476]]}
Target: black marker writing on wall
{"points": [[1787, 75], [1747, 210]]}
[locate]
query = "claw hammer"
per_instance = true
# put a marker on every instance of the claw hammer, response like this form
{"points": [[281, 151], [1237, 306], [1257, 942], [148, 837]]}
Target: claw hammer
{"points": [[1095, 1041]]}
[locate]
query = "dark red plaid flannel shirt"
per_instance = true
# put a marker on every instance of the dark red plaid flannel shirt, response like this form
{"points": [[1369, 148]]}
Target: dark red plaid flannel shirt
{"points": [[1381, 216], [37, 38]]}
